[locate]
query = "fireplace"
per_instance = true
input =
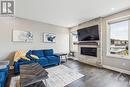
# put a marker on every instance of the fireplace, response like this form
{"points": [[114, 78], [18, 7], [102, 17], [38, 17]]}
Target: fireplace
{"points": [[90, 51]]}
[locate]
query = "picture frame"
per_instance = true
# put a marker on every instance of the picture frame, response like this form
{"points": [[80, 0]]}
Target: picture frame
{"points": [[22, 36], [49, 37]]}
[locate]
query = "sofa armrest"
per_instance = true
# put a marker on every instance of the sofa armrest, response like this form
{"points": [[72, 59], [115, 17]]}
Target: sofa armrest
{"points": [[4, 70], [4, 66], [56, 55], [16, 67], [4, 62]]}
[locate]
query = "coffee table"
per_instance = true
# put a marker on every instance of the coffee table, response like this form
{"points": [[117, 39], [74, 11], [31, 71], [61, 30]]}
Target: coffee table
{"points": [[31, 74]]}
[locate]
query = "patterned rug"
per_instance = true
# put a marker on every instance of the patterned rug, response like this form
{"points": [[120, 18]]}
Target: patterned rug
{"points": [[59, 76]]}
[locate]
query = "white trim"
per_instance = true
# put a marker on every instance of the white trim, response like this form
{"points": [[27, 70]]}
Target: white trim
{"points": [[119, 18], [108, 36], [118, 56], [129, 37], [101, 41], [117, 69]]}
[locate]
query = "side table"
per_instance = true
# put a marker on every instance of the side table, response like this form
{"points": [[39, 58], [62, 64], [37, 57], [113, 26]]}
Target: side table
{"points": [[61, 56]]}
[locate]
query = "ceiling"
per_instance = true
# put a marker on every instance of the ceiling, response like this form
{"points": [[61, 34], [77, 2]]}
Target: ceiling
{"points": [[67, 13]]}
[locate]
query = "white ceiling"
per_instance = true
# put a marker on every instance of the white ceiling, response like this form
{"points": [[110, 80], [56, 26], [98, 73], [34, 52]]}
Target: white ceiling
{"points": [[67, 13]]}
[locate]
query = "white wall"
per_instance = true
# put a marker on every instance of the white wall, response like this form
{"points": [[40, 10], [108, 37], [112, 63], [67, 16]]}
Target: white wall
{"points": [[8, 24], [118, 63]]}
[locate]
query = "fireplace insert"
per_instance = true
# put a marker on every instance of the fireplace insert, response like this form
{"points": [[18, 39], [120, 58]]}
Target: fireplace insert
{"points": [[89, 51]]}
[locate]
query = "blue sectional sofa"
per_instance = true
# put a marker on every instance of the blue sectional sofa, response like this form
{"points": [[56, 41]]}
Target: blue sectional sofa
{"points": [[3, 75], [46, 58]]}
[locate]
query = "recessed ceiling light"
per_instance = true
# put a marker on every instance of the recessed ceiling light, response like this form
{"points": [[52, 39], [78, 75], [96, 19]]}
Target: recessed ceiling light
{"points": [[112, 8]]}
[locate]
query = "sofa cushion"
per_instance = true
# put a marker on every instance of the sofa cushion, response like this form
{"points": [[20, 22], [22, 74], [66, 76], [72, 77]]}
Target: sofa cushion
{"points": [[38, 53], [48, 52], [53, 59], [42, 61]]}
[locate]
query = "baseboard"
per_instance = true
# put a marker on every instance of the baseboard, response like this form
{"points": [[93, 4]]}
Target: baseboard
{"points": [[116, 69], [74, 58]]}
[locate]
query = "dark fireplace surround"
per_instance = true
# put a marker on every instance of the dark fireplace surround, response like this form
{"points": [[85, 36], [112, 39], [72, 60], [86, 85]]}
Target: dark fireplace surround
{"points": [[88, 51]]}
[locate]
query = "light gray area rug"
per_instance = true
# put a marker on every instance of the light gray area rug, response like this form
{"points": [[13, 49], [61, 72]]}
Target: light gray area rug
{"points": [[59, 76]]}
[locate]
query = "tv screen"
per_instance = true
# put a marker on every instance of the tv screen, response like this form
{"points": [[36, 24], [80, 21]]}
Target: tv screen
{"points": [[88, 34]]}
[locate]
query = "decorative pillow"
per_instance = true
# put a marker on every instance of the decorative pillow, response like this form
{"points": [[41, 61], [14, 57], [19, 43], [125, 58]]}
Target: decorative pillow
{"points": [[19, 54], [28, 56], [16, 57], [25, 58], [48, 52], [34, 56]]}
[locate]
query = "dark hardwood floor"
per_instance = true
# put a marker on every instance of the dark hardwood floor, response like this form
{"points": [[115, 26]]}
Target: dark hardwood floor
{"points": [[94, 77], [10, 74]]}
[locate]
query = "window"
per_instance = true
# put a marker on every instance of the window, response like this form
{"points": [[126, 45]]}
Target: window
{"points": [[118, 38], [74, 37]]}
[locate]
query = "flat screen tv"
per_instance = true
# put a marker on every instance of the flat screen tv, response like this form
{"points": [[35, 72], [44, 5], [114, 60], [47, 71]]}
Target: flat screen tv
{"points": [[88, 33]]}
